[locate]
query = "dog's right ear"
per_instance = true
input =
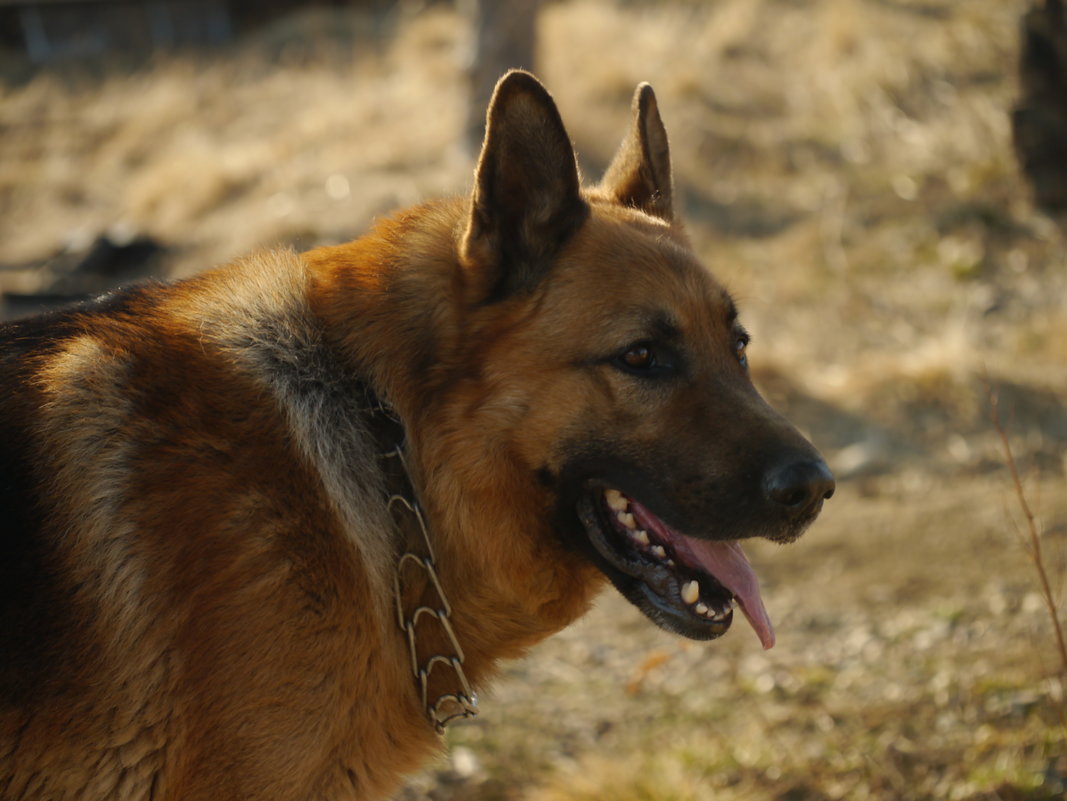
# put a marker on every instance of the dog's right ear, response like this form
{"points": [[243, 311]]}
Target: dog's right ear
{"points": [[526, 201]]}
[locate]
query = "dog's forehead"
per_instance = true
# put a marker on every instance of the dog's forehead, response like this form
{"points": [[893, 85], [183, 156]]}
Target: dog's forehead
{"points": [[642, 272]]}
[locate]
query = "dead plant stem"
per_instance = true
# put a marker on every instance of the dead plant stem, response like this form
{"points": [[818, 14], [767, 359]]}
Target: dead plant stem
{"points": [[1033, 542]]}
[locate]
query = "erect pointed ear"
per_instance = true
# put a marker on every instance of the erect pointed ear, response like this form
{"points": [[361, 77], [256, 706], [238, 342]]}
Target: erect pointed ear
{"points": [[526, 202], [640, 173]]}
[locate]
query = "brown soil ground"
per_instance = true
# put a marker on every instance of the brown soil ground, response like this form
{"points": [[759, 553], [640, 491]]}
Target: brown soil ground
{"points": [[846, 169]]}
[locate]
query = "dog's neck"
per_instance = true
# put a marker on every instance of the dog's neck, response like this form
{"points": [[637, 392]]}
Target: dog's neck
{"points": [[422, 609], [391, 312]]}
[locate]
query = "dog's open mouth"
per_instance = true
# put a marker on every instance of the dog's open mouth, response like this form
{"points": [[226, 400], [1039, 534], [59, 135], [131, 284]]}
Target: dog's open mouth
{"points": [[686, 584]]}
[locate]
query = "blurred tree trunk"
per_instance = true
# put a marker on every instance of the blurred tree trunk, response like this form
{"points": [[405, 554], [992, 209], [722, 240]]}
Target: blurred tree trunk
{"points": [[505, 37], [1039, 120]]}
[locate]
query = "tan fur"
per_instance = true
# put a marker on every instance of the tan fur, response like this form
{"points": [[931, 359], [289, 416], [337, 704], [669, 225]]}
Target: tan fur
{"points": [[201, 555]]}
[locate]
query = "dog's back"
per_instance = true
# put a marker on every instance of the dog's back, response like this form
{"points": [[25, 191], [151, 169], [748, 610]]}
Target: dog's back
{"points": [[191, 543]]}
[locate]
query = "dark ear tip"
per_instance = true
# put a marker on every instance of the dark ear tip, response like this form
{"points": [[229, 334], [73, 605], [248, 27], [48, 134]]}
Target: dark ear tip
{"points": [[515, 82], [644, 97]]}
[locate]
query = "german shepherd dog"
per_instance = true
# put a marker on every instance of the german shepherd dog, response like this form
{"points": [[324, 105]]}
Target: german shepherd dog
{"points": [[266, 530]]}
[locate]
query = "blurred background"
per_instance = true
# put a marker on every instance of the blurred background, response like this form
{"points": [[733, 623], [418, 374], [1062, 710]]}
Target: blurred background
{"points": [[881, 183]]}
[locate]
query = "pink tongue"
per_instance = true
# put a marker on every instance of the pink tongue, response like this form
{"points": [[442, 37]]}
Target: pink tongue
{"points": [[725, 561], [728, 563]]}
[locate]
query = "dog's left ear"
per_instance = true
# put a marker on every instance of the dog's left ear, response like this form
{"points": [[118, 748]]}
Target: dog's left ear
{"points": [[640, 173], [526, 202]]}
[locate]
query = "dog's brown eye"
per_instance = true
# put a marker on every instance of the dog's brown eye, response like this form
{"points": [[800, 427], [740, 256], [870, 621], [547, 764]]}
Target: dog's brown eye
{"points": [[639, 357], [740, 348], [647, 360]]}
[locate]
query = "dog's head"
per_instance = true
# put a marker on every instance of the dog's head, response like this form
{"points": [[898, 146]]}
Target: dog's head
{"points": [[620, 366]]}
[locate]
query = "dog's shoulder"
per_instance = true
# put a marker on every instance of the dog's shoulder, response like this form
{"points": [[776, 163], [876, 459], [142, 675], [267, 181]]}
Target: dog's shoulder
{"points": [[112, 409]]}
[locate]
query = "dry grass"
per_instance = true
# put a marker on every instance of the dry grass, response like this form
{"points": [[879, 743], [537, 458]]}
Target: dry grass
{"points": [[845, 167], [222, 157], [1030, 537]]}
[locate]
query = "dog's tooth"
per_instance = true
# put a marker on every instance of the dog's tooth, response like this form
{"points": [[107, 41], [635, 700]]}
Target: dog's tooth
{"points": [[626, 519], [616, 500], [640, 536], [701, 609], [669, 563], [690, 594], [659, 552]]}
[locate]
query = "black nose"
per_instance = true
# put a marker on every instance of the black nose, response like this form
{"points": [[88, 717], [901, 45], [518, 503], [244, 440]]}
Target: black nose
{"points": [[800, 486]]}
